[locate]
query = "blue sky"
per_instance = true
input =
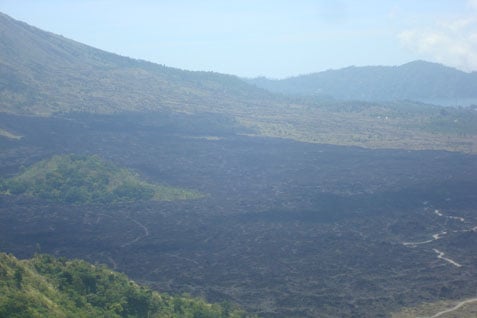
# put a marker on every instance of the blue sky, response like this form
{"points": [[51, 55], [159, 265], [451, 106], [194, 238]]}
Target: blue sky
{"points": [[264, 37]]}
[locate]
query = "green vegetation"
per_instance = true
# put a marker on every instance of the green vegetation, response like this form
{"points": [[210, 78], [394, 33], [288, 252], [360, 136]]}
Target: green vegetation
{"points": [[407, 125], [45, 286], [417, 80], [42, 73], [37, 80], [88, 179]]}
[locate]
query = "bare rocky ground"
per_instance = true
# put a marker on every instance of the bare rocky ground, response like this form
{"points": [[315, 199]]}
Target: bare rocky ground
{"points": [[287, 229]]}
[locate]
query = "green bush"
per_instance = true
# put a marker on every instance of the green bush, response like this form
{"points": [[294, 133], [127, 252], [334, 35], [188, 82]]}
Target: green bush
{"points": [[45, 286]]}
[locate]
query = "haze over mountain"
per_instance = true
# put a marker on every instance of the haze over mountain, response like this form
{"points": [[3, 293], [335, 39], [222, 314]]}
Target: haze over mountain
{"points": [[417, 80], [43, 73], [297, 206]]}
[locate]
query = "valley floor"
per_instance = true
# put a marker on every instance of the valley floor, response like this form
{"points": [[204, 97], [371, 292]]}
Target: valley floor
{"points": [[286, 229]]}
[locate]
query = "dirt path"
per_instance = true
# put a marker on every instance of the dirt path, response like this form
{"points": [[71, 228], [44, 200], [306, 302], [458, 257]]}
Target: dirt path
{"points": [[144, 228], [441, 256], [182, 258], [440, 235], [462, 303]]}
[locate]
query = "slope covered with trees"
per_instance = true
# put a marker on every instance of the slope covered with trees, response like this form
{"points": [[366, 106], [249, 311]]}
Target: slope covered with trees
{"points": [[88, 179], [45, 286], [418, 80]]}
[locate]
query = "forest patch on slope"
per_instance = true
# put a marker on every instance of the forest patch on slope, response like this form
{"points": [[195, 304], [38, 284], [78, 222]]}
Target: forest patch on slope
{"points": [[45, 286], [88, 179]]}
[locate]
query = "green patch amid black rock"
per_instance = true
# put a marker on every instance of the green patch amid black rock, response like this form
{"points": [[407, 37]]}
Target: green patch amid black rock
{"points": [[88, 179]]}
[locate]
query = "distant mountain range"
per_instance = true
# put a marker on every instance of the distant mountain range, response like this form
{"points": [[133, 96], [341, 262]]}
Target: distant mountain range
{"points": [[45, 74], [418, 80]]}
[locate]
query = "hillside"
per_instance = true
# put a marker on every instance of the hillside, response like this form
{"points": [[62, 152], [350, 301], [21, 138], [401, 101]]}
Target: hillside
{"points": [[418, 80], [196, 183], [43, 73], [87, 179], [45, 286]]}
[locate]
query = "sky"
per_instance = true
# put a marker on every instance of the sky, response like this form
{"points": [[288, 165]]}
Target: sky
{"points": [[269, 38]]}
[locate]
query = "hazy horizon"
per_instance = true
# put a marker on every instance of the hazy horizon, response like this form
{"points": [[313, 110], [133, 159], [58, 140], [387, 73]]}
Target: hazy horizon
{"points": [[273, 39]]}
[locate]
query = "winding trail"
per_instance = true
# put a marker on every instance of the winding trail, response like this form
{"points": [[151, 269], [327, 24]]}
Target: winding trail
{"points": [[440, 235], [414, 244], [144, 228], [462, 303], [452, 217], [441, 256], [182, 258]]}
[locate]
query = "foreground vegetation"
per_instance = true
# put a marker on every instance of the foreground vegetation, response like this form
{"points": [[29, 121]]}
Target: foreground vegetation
{"points": [[87, 179], [45, 286]]}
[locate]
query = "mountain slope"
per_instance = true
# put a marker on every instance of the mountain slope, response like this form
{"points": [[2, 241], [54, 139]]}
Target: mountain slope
{"points": [[48, 287], [418, 80], [43, 73], [46, 74]]}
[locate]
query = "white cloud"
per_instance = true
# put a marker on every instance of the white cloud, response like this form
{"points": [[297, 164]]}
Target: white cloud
{"points": [[472, 3], [453, 43]]}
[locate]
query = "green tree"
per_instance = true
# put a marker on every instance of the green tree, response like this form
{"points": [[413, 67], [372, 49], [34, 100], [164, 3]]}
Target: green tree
{"points": [[18, 276]]}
